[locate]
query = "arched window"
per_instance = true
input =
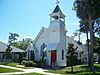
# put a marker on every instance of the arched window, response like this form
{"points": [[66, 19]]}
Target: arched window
{"points": [[62, 54], [42, 47]]}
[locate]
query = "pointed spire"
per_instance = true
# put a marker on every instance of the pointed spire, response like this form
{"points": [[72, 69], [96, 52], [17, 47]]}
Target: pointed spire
{"points": [[57, 12], [57, 9]]}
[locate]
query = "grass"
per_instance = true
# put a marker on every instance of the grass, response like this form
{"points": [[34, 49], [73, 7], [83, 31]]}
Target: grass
{"points": [[11, 64], [78, 70], [15, 65], [32, 74], [5, 70]]}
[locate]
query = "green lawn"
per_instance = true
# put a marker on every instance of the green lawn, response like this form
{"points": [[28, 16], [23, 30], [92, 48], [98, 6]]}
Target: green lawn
{"points": [[5, 70], [11, 64], [32, 74], [15, 65], [78, 70]]}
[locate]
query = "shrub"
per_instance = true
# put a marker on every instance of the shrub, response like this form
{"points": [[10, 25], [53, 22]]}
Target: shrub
{"points": [[41, 63], [29, 63], [23, 62]]}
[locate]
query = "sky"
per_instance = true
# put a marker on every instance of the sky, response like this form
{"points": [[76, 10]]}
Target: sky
{"points": [[27, 17]]}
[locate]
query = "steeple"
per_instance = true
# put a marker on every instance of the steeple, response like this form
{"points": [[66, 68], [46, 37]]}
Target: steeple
{"points": [[57, 9], [57, 19], [57, 13]]}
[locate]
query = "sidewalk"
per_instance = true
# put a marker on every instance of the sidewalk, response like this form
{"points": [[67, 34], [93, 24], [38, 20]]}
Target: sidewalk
{"points": [[36, 70]]}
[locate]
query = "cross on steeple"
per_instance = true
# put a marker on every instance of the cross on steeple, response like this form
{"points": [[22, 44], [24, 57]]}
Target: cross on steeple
{"points": [[57, 2]]}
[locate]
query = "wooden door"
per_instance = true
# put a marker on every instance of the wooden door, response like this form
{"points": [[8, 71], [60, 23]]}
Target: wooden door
{"points": [[53, 57]]}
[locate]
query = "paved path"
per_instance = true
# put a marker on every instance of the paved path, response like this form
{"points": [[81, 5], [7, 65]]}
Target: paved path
{"points": [[36, 70]]}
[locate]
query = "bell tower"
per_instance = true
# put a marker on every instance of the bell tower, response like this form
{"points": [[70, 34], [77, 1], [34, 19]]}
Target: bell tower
{"points": [[57, 17], [57, 34], [57, 14]]}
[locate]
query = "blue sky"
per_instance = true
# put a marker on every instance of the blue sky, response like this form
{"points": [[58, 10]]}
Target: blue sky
{"points": [[26, 17]]}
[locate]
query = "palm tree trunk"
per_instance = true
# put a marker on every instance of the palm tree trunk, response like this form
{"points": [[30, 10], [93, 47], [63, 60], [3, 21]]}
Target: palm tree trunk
{"points": [[91, 45]]}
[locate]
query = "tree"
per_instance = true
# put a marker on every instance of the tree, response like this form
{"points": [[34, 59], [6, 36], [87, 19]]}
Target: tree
{"points": [[97, 26], [20, 58], [72, 55], [21, 45], [97, 47], [84, 27], [12, 38], [88, 10], [8, 53]]}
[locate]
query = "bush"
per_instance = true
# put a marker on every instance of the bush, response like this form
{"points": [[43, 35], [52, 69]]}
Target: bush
{"points": [[23, 62], [29, 63], [41, 63]]}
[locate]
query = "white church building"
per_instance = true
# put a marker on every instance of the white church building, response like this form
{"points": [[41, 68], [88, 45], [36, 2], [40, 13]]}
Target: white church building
{"points": [[52, 41]]}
